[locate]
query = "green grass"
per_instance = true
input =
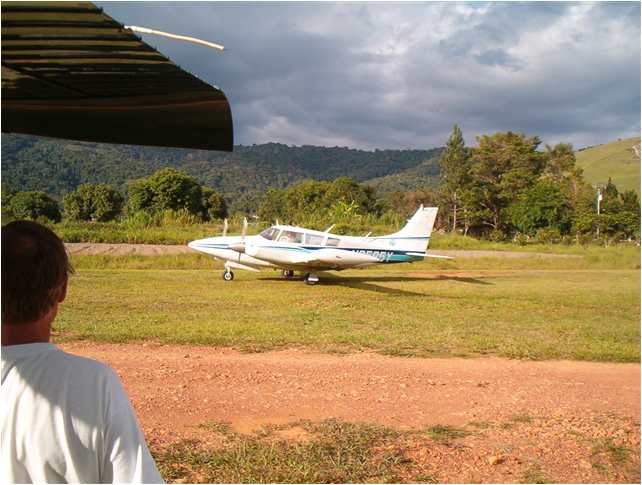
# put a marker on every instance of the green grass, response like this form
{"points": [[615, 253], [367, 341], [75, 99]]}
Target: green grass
{"points": [[615, 160], [522, 418], [585, 308], [332, 452], [445, 434], [534, 474], [617, 454]]}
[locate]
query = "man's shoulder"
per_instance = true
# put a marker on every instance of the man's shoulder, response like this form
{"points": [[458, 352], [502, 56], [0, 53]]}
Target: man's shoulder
{"points": [[80, 362], [51, 359]]}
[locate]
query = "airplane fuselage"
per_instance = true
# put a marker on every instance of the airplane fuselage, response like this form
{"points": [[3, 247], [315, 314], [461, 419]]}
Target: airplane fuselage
{"points": [[343, 251], [292, 248]]}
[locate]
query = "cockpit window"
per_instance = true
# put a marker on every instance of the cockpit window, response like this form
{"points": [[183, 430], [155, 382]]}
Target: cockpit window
{"points": [[270, 233], [313, 239], [291, 237]]}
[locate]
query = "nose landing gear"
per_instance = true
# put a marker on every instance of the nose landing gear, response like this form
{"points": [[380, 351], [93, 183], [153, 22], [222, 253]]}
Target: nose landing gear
{"points": [[228, 275]]}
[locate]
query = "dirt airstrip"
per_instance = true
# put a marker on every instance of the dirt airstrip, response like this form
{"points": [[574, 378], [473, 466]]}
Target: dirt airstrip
{"points": [[562, 419]]}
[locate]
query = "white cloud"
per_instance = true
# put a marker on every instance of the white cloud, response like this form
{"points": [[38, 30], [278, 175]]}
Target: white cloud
{"points": [[399, 75]]}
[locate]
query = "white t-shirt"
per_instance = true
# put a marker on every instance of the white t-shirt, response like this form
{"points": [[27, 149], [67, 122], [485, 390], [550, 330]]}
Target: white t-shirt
{"points": [[67, 419]]}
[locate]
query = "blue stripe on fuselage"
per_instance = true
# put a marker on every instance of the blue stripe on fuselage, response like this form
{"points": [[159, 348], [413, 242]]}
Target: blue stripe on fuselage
{"points": [[383, 255]]}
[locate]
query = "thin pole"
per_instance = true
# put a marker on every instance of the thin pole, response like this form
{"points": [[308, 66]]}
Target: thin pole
{"points": [[145, 30]]}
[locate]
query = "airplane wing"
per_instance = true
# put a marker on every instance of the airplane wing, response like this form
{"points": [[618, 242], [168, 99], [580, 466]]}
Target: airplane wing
{"points": [[71, 71], [320, 258]]}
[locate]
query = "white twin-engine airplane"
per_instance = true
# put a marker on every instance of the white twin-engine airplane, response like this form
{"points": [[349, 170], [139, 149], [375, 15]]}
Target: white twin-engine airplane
{"points": [[293, 249]]}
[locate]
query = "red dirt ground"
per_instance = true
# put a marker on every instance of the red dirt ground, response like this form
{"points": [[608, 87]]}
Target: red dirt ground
{"points": [[550, 416]]}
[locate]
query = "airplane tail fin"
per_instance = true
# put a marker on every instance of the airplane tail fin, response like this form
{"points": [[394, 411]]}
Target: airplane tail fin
{"points": [[416, 233]]}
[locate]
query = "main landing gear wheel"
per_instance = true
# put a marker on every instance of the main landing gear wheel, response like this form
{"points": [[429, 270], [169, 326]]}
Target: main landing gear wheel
{"points": [[311, 279], [287, 273], [228, 275]]}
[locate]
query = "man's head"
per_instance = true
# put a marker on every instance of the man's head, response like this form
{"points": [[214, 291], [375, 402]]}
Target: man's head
{"points": [[34, 273]]}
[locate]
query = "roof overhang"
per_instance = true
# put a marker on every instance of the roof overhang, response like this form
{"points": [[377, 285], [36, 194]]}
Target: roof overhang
{"points": [[71, 71]]}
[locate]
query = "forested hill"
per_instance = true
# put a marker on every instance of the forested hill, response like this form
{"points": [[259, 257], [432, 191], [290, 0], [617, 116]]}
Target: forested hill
{"points": [[58, 166]]}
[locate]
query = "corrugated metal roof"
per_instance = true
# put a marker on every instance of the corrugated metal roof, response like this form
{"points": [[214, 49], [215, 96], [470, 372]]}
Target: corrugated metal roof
{"points": [[71, 71]]}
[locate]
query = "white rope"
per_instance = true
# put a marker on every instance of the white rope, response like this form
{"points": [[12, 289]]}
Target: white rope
{"points": [[145, 30]]}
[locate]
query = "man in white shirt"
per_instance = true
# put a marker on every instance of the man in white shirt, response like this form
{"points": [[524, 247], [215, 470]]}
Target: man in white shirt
{"points": [[65, 419]]}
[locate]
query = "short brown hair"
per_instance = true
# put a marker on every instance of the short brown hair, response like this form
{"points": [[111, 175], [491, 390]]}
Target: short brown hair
{"points": [[34, 268]]}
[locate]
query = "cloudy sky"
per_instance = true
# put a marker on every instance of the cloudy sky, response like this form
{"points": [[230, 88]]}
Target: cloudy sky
{"points": [[399, 75]]}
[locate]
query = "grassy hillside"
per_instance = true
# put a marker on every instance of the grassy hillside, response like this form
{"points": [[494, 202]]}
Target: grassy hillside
{"points": [[617, 160]]}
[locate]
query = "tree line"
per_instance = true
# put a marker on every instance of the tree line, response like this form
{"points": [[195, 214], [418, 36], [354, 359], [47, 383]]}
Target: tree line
{"points": [[167, 189], [507, 187]]}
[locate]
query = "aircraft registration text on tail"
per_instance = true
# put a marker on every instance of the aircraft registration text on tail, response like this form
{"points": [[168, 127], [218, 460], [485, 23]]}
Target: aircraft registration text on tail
{"points": [[292, 248]]}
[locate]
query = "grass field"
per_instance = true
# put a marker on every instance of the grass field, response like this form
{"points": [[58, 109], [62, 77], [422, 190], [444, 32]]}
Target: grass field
{"points": [[583, 307], [616, 160]]}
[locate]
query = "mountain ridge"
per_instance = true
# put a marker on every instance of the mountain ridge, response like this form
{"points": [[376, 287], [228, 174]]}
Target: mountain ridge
{"points": [[58, 166]]}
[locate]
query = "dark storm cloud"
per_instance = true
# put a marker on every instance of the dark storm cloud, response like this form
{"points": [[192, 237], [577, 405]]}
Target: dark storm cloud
{"points": [[400, 75]]}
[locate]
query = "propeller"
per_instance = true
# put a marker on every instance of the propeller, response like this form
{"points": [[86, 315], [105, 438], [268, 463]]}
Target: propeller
{"points": [[225, 226], [240, 246]]}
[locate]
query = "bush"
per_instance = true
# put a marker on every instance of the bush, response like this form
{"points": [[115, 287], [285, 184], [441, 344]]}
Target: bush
{"points": [[496, 235], [93, 202], [140, 220], [548, 235], [214, 206], [181, 217], [34, 205], [521, 239]]}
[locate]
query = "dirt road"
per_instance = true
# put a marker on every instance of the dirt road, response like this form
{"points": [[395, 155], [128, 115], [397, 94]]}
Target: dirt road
{"points": [[550, 413]]}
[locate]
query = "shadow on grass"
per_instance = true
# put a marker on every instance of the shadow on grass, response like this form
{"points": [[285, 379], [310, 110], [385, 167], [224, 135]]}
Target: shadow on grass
{"points": [[366, 282]]}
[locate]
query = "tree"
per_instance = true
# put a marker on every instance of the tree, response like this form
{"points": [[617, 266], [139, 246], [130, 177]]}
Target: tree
{"points": [[93, 202], [168, 188], [313, 201], [619, 215], [346, 190], [139, 196], [455, 166], [630, 201], [214, 206], [175, 190], [7, 195], [34, 205], [272, 206], [540, 206], [504, 164], [559, 163], [611, 202]]}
